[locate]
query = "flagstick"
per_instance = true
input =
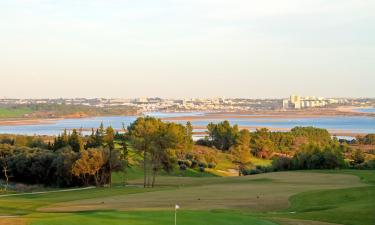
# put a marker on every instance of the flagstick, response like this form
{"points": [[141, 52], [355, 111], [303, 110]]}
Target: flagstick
{"points": [[175, 215]]}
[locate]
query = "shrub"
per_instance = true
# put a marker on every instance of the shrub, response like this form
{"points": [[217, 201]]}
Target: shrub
{"points": [[202, 164], [262, 168], [187, 163], [211, 165], [369, 165], [194, 163], [183, 167], [255, 171], [282, 163], [202, 169], [247, 172], [189, 156]]}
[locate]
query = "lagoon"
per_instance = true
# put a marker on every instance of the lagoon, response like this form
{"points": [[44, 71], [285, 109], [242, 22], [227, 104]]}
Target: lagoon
{"points": [[352, 124]]}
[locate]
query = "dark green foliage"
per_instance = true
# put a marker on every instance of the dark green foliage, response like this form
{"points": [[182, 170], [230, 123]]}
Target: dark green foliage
{"points": [[183, 167], [194, 163], [160, 143], [282, 163], [264, 143], [31, 160], [223, 135], [202, 164], [369, 165], [246, 172], [75, 141], [312, 157], [312, 134], [34, 165]]}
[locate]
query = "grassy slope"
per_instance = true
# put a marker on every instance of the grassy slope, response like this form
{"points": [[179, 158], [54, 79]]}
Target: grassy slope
{"points": [[343, 206]]}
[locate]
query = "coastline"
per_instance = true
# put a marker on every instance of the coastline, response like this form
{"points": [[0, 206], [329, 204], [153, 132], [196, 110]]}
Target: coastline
{"points": [[22, 122], [315, 113]]}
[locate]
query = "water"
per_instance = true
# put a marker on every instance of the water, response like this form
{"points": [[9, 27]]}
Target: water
{"points": [[338, 123], [366, 110]]}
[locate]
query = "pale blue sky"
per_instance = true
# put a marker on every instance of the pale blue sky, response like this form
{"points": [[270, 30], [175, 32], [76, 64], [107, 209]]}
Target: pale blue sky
{"points": [[187, 48]]}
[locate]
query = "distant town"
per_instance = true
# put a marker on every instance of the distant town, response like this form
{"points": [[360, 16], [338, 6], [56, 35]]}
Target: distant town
{"points": [[294, 102]]}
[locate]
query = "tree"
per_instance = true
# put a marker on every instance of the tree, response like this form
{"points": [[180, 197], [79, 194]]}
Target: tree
{"points": [[75, 141], [109, 142], [156, 141], [4, 158], [89, 164], [189, 143], [358, 157], [261, 144], [222, 135], [168, 136], [241, 151], [142, 133]]}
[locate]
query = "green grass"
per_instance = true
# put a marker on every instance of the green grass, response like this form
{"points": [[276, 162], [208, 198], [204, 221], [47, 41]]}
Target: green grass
{"points": [[343, 206], [148, 218], [329, 196], [13, 113], [346, 206], [26, 204]]}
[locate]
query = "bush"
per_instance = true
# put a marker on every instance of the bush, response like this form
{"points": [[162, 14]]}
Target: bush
{"points": [[183, 167], [187, 163], [194, 163], [204, 142], [202, 164], [282, 163], [251, 172], [211, 165], [264, 169], [202, 169], [189, 156], [369, 165]]}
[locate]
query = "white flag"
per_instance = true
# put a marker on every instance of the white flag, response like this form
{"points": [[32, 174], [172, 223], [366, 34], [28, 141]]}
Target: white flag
{"points": [[177, 207]]}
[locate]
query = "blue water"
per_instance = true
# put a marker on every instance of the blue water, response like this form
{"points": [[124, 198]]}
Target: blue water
{"points": [[347, 124], [366, 110]]}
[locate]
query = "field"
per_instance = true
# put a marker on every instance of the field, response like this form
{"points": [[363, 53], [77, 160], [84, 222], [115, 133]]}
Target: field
{"points": [[317, 198], [14, 113]]}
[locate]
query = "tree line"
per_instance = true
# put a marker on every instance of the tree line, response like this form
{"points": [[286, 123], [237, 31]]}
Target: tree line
{"points": [[300, 148], [71, 160]]}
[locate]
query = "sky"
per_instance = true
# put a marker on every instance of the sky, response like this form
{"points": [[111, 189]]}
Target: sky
{"points": [[187, 48]]}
